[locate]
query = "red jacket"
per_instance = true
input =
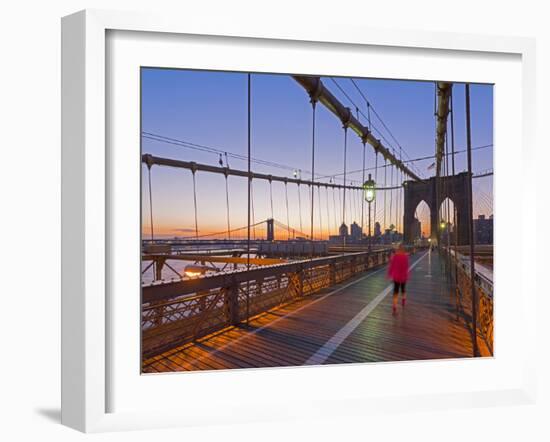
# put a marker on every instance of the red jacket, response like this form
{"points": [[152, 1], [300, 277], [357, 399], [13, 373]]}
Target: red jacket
{"points": [[398, 270]]}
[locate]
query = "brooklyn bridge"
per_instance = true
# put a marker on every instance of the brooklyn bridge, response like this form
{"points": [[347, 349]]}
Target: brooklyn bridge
{"points": [[303, 280]]}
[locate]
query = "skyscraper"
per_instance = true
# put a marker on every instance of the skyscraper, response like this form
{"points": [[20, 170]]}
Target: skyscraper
{"points": [[343, 230], [377, 229], [356, 231]]}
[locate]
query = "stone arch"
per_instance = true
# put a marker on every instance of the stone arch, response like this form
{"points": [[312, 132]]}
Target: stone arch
{"points": [[453, 187], [447, 216], [424, 228]]}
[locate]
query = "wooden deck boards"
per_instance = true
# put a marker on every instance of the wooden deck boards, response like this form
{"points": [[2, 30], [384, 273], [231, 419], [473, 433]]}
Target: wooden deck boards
{"points": [[426, 328]]}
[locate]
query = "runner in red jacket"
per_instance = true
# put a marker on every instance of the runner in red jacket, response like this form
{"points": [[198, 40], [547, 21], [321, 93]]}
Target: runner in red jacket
{"points": [[398, 272]]}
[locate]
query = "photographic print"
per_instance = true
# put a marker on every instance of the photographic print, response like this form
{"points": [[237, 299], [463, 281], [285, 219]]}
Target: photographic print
{"points": [[292, 220]]}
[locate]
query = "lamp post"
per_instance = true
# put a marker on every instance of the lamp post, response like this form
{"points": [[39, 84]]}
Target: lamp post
{"points": [[369, 191]]}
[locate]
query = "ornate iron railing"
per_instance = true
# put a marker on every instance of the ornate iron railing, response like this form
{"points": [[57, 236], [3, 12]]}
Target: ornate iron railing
{"points": [[177, 313], [459, 266]]}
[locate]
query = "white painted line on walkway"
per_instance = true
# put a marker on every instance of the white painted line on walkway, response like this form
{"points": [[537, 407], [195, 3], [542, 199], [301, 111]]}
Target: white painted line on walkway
{"points": [[333, 343]]}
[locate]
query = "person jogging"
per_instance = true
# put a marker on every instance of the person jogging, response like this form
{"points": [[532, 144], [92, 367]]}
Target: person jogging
{"points": [[398, 272]]}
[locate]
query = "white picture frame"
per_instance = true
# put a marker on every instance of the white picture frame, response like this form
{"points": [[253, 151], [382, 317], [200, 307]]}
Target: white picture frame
{"points": [[86, 357]]}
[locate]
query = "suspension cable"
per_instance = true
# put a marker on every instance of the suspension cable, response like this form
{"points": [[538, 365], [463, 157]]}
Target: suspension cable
{"points": [[362, 183], [249, 106], [287, 215], [391, 196], [328, 213], [252, 207], [385, 184], [355, 211], [271, 197], [320, 214], [150, 203], [313, 102], [300, 208], [334, 211], [399, 205], [151, 216], [344, 189], [195, 206], [311, 200], [397, 197], [376, 181], [227, 206]]}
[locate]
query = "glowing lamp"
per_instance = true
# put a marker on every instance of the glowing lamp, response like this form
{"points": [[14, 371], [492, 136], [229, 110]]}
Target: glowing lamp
{"points": [[369, 190], [194, 271]]}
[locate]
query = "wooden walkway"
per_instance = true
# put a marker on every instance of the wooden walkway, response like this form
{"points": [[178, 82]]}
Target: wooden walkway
{"points": [[349, 323]]}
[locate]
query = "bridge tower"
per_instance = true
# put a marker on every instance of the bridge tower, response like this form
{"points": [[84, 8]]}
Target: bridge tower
{"points": [[454, 187], [270, 230]]}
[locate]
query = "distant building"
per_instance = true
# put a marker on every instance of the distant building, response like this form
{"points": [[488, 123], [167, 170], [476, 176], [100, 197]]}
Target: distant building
{"points": [[377, 230], [343, 230], [342, 235], [483, 230], [356, 232]]}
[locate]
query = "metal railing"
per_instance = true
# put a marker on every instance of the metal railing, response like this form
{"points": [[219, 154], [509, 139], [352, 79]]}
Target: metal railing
{"points": [[178, 313], [459, 271]]}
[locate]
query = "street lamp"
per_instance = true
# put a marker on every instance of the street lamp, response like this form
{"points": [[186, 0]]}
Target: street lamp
{"points": [[369, 191]]}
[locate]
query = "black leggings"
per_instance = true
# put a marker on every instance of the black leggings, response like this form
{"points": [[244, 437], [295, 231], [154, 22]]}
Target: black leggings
{"points": [[397, 285]]}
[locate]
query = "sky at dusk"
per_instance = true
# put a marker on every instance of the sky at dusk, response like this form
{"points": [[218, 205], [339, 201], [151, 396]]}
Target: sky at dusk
{"points": [[210, 109]]}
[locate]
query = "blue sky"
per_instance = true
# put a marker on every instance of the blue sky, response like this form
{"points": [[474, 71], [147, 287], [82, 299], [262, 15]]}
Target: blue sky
{"points": [[210, 109]]}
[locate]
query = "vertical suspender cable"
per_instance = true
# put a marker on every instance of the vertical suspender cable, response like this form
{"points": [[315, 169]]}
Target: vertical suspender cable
{"points": [[313, 102], [339, 205], [300, 209], [471, 222], [150, 203], [391, 197], [328, 213], [151, 212], [363, 199], [195, 207], [249, 200], [385, 192], [310, 197], [320, 213], [271, 197], [358, 196], [398, 202], [252, 207], [376, 183], [401, 203], [345, 183], [352, 208], [455, 208], [227, 206], [334, 210], [452, 133], [287, 215]]}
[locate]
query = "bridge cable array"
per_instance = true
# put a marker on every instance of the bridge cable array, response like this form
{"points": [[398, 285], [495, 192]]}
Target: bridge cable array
{"points": [[349, 207]]}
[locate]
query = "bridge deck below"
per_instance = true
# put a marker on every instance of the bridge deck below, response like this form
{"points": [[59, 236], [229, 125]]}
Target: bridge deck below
{"points": [[351, 322]]}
